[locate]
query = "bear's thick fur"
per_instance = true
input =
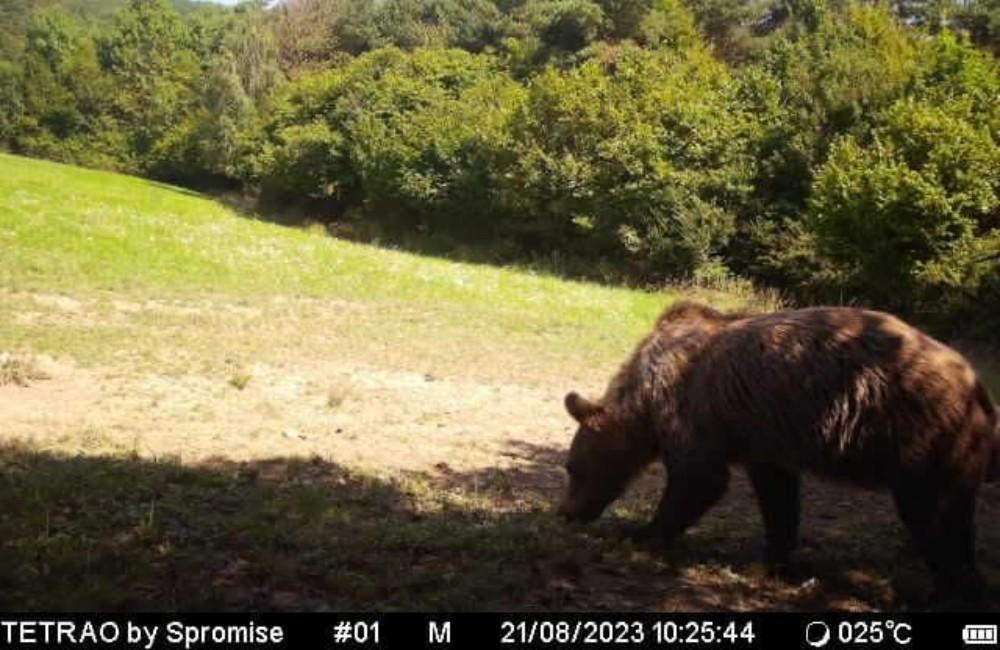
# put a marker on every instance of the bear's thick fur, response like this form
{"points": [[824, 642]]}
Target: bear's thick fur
{"points": [[846, 393]]}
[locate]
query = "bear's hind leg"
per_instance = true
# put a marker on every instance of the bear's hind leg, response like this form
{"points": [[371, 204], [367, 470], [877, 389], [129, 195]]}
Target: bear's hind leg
{"points": [[957, 576], [943, 527], [778, 496], [692, 488]]}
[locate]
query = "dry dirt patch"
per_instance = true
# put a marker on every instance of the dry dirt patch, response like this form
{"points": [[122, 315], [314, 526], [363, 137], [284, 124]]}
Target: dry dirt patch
{"points": [[384, 420]]}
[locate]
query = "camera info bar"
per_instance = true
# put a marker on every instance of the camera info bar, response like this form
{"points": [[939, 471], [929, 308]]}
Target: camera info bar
{"points": [[333, 630]]}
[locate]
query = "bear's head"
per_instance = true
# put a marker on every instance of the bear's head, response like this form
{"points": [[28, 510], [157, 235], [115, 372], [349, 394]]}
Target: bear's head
{"points": [[602, 460]]}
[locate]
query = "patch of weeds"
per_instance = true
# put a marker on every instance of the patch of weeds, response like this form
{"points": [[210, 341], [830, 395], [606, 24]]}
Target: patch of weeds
{"points": [[337, 394], [20, 369], [240, 379]]}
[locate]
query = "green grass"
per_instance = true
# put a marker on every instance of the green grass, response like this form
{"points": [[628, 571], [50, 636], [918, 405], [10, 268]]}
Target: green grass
{"points": [[104, 532], [92, 234], [69, 229]]}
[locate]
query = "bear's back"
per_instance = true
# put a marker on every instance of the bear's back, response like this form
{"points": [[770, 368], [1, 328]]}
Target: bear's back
{"points": [[836, 389]]}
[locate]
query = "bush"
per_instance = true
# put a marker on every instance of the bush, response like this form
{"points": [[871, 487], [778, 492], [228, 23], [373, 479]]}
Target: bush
{"points": [[831, 80], [413, 136], [668, 24], [635, 154], [11, 102], [822, 92], [307, 160], [565, 25], [905, 212]]}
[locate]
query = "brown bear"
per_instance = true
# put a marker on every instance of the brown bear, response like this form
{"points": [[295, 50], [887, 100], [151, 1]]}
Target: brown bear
{"points": [[847, 393]]}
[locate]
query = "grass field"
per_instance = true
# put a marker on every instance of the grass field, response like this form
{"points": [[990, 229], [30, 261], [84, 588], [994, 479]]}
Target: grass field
{"points": [[206, 411]]}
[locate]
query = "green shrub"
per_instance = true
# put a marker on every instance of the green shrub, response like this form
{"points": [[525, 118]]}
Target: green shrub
{"points": [[636, 154], [668, 23], [905, 211], [307, 160], [564, 25], [831, 80], [11, 101], [413, 136]]}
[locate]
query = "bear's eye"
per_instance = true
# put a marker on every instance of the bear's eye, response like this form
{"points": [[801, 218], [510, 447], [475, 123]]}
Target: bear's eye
{"points": [[571, 470]]}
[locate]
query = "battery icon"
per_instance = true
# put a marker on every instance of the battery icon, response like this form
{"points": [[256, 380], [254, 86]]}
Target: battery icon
{"points": [[979, 635]]}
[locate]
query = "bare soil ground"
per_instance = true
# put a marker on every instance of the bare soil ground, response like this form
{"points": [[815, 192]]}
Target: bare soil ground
{"points": [[286, 453]]}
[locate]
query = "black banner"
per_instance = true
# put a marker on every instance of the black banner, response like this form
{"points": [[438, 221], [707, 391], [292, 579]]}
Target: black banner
{"points": [[330, 631]]}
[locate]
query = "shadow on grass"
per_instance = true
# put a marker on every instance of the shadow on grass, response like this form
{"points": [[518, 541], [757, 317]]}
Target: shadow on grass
{"points": [[854, 552], [111, 533], [411, 238], [176, 188], [533, 474]]}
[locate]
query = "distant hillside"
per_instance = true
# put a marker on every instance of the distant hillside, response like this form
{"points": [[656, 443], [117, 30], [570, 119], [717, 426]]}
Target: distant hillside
{"points": [[96, 9], [14, 14]]}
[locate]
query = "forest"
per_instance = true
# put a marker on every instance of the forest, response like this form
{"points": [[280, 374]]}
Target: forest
{"points": [[835, 151]]}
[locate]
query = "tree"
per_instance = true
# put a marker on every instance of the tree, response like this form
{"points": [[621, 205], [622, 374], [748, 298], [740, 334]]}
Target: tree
{"points": [[624, 18], [13, 19], [11, 102], [251, 45], [669, 24], [981, 18], [53, 36], [305, 32], [148, 52], [562, 26], [834, 72]]}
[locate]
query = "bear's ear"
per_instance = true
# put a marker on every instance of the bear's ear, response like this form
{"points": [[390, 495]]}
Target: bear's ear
{"points": [[580, 407]]}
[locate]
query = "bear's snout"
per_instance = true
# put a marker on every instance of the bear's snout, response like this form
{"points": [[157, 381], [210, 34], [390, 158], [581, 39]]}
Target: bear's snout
{"points": [[570, 512], [564, 512]]}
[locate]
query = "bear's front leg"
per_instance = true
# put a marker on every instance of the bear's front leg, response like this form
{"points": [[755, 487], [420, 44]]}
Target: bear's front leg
{"points": [[777, 492], [692, 488]]}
